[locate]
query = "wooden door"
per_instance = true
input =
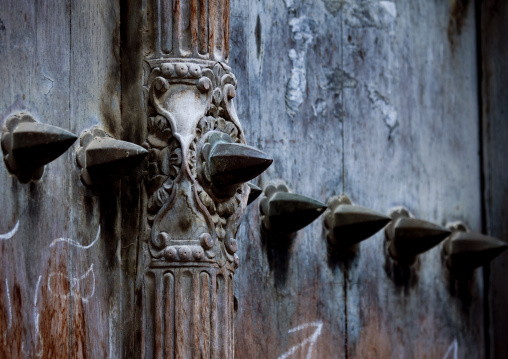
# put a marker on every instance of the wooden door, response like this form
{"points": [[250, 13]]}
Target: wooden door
{"points": [[393, 103]]}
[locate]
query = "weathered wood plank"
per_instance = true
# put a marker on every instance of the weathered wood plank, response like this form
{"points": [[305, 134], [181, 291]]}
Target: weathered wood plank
{"points": [[494, 52], [37, 81], [58, 275], [95, 100], [411, 139], [284, 55]]}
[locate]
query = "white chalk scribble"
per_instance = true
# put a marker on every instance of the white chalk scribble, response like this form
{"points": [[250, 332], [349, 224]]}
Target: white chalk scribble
{"points": [[75, 243], [453, 349], [9, 302], [36, 319], [11, 233], [310, 340], [75, 285]]}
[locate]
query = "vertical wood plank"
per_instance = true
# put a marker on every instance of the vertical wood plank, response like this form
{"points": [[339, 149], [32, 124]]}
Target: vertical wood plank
{"points": [[411, 139], [203, 27], [494, 56], [290, 300], [35, 73], [95, 100], [169, 315]]}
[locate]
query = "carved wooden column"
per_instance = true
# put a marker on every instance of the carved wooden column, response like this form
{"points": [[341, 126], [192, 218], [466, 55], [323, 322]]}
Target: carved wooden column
{"points": [[195, 182]]}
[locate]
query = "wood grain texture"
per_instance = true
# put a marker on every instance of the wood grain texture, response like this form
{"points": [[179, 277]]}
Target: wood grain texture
{"points": [[494, 54], [411, 139], [281, 288], [401, 79], [377, 99], [58, 64]]}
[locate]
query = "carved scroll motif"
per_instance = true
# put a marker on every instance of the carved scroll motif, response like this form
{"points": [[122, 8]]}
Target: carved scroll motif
{"points": [[188, 221], [190, 227], [195, 181]]}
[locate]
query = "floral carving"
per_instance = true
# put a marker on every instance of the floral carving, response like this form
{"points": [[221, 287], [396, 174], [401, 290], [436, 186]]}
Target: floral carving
{"points": [[164, 162], [173, 162]]}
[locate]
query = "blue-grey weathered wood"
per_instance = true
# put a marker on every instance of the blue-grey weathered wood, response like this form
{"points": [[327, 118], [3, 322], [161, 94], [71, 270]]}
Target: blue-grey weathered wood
{"points": [[401, 77], [411, 139], [58, 282], [290, 111]]}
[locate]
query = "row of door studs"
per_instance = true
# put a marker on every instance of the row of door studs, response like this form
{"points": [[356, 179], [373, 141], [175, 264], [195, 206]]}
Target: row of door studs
{"points": [[29, 145]]}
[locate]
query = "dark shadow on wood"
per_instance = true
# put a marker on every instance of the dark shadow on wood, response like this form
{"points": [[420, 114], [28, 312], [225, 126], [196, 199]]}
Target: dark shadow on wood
{"points": [[277, 246], [461, 287], [108, 195], [404, 276], [342, 258]]}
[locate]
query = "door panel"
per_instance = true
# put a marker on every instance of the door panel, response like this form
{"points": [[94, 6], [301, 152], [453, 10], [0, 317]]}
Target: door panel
{"points": [[58, 285], [390, 117], [290, 300], [375, 99]]}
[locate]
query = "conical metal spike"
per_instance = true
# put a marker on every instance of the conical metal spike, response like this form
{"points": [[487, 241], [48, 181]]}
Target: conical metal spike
{"points": [[410, 236], [255, 191], [29, 145], [465, 251], [348, 224], [286, 212], [234, 163], [107, 159], [37, 144]]}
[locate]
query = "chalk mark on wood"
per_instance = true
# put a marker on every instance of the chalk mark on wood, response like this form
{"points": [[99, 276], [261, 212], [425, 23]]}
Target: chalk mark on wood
{"points": [[11, 233], [453, 348], [36, 319], [74, 285], [75, 243], [8, 302], [310, 340]]}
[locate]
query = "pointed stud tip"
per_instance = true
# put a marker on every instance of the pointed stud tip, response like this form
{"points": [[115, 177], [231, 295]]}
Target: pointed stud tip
{"points": [[348, 224], [108, 159], [466, 251], [29, 145], [287, 212], [410, 237], [233, 163], [255, 192]]}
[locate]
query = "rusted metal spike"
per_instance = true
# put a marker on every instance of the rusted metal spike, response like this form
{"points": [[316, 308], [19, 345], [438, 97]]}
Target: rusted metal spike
{"points": [[29, 145], [235, 163], [107, 159], [465, 251], [348, 224], [408, 237], [255, 191], [285, 212]]}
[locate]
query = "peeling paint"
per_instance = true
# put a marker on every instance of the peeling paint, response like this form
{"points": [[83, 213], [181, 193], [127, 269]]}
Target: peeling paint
{"points": [[302, 34], [289, 4], [383, 105], [319, 108], [378, 14], [333, 6], [336, 79]]}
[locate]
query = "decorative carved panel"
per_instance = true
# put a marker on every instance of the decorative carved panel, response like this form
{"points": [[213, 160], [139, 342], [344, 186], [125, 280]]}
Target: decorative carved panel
{"points": [[195, 182]]}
